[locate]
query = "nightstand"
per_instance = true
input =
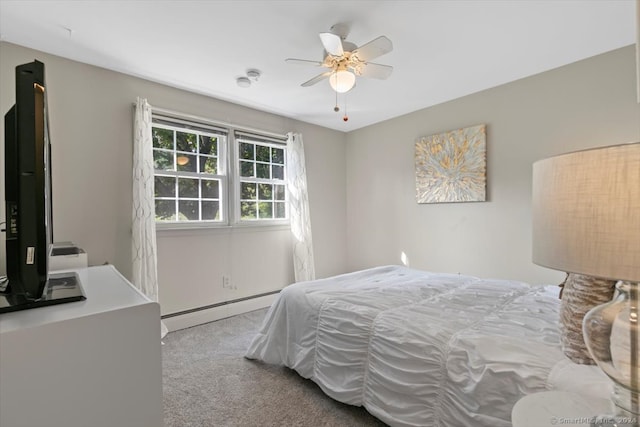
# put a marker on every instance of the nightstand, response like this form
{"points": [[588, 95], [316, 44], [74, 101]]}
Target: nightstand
{"points": [[558, 408]]}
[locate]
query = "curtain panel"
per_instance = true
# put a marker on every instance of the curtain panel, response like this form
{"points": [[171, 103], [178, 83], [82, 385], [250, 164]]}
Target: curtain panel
{"points": [[300, 218], [143, 242]]}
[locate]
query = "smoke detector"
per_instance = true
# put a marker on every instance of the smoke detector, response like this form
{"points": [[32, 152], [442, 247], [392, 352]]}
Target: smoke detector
{"points": [[253, 74], [243, 82]]}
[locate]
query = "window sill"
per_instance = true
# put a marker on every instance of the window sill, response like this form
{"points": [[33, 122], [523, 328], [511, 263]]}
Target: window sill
{"points": [[221, 228]]}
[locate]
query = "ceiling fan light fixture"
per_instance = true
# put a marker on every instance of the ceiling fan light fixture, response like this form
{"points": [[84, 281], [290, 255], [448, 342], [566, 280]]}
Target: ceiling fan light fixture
{"points": [[342, 81], [182, 160]]}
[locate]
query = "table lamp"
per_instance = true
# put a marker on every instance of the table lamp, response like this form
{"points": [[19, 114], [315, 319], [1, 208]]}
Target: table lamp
{"points": [[586, 220]]}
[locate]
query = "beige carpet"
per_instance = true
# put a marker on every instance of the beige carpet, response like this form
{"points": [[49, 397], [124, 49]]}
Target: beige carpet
{"points": [[208, 382]]}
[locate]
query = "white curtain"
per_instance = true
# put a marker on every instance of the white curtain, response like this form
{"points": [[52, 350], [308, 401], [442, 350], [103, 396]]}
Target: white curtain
{"points": [[143, 242], [303, 262]]}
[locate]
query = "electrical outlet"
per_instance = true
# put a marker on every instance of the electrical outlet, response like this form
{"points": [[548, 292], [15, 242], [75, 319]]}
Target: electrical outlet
{"points": [[226, 282]]}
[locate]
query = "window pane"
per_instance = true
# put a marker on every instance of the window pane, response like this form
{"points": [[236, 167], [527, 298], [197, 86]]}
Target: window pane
{"points": [[278, 172], [165, 186], [277, 156], [266, 209], [263, 154], [163, 160], [165, 210], [162, 138], [210, 189], [209, 165], [247, 191], [279, 210], [208, 145], [210, 211], [187, 187], [186, 162], [265, 191], [248, 210], [279, 192], [246, 151], [262, 170], [186, 142], [188, 210], [246, 169]]}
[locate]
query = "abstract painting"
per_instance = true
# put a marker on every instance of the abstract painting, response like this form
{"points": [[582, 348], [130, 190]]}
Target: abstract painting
{"points": [[451, 166]]}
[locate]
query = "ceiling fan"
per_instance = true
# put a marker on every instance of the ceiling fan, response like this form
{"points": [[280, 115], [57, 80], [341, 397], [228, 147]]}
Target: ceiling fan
{"points": [[345, 60]]}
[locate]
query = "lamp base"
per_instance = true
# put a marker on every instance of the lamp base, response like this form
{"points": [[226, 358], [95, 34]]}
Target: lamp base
{"points": [[626, 406], [612, 335]]}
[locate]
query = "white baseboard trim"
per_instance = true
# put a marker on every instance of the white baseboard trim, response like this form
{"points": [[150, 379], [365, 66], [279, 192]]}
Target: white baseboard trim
{"points": [[188, 320]]}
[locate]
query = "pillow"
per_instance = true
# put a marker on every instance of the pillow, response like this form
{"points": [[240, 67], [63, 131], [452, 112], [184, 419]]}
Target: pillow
{"points": [[579, 295]]}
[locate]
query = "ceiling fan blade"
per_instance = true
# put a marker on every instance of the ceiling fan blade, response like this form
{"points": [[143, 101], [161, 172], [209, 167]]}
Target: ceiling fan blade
{"points": [[373, 49], [316, 79], [332, 44], [302, 61], [374, 71]]}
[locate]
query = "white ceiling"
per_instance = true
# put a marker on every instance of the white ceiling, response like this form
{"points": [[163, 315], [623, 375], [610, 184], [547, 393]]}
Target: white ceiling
{"points": [[442, 49]]}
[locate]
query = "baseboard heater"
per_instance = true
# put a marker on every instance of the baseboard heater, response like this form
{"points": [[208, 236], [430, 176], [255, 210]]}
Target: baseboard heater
{"points": [[219, 304]]}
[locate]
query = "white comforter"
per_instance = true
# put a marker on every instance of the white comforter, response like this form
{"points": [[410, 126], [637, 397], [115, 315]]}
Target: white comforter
{"points": [[416, 348]]}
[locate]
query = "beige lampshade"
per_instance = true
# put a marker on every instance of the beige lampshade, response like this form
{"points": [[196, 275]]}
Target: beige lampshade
{"points": [[586, 212]]}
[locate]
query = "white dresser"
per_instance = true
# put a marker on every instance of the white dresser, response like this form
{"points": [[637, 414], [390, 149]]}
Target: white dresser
{"points": [[92, 363]]}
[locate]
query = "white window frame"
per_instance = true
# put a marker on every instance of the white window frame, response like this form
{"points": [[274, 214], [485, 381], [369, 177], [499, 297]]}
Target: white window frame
{"points": [[222, 136], [228, 169], [238, 138]]}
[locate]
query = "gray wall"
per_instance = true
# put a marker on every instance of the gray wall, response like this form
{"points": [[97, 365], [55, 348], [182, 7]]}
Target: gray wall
{"points": [[586, 104], [91, 120]]}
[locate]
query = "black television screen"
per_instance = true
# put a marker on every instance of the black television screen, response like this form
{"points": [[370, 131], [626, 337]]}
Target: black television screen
{"points": [[28, 198]]}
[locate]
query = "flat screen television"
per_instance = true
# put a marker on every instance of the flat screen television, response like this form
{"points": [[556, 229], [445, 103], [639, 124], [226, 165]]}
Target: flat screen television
{"points": [[28, 198]]}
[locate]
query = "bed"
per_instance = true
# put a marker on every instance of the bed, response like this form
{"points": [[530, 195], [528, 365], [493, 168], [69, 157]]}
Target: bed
{"points": [[417, 348]]}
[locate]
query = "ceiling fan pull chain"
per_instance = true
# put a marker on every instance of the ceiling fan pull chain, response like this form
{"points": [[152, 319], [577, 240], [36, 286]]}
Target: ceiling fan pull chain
{"points": [[345, 118]]}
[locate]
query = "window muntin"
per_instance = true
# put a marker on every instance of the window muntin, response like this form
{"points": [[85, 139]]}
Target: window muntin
{"points": [[261, 180], [189, 174]]}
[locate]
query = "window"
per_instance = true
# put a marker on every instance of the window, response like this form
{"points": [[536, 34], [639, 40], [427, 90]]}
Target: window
{"points": [[190, 179], [261, 166], [197, 183]]}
